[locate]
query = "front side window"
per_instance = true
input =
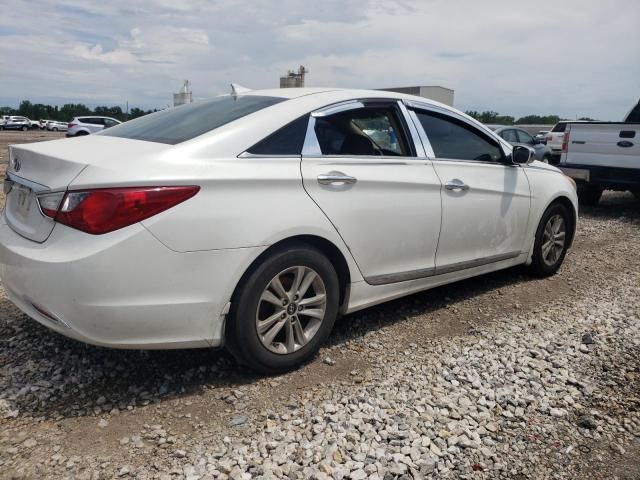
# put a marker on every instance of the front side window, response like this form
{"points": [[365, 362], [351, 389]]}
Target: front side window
{"points": [[362, 132], [509, 136], [524, 137], [179, 124], [451, 138]]}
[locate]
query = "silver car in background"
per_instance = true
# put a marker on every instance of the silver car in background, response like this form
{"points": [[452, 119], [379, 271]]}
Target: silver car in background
{"points": [[517, 136], [90, 124]]}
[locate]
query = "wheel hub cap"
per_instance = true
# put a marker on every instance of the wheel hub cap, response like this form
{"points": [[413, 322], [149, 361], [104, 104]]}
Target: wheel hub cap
{"points": [[553, 239], [291, 310]]}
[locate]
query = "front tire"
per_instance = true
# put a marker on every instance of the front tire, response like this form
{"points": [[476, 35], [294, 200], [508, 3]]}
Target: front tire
{"points": [[552, 240], [24, 128], [283, 310]]}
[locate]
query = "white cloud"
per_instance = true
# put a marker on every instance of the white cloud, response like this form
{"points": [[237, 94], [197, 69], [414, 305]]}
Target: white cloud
{"points": [[571, 57]]}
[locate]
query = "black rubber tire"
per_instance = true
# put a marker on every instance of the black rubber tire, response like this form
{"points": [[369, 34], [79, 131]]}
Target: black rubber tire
{"points": [[538, 266], [55, 129], [81, 133], [241, 336], [24, 128], [546, 159], [589, 195]]}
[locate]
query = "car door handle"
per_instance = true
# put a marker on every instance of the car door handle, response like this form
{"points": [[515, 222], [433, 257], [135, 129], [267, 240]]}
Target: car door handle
{"points": [[332, 178], [456, 185]]}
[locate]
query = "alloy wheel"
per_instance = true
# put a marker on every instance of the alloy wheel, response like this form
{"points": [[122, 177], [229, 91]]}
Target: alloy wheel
{"points": [[291, 310], [553, 239]]}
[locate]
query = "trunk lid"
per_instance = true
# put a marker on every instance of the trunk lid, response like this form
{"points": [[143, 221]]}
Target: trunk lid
{"points": [[38, 168]]}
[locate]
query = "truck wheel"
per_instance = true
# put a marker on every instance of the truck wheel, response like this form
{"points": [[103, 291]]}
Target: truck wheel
{"points": [[589, 195]]}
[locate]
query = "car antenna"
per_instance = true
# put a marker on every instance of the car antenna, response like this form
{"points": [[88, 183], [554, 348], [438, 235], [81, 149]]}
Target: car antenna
{"points": [[237, 89]]}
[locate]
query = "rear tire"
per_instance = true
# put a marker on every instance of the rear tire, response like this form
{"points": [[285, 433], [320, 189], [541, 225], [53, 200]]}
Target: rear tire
{"points": [[589, 195], [552, 240], [268, 300], [81, 133]]}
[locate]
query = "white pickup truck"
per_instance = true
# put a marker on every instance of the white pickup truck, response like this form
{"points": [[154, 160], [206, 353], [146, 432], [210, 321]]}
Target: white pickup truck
{"points": [[603, 156]]}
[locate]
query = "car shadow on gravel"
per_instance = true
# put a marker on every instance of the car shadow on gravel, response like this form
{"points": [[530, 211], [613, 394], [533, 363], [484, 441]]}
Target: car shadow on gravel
{"points": [[45, 374], [616, 206]]}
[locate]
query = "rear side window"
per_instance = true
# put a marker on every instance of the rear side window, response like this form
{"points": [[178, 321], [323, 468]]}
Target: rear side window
{"points": [[286, 141], [560, 127], [363, 131], [454, 139], [509, 136], [178, 124]]}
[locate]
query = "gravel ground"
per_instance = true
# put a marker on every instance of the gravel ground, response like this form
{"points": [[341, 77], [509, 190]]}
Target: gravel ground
{"points": [[503, 376]]}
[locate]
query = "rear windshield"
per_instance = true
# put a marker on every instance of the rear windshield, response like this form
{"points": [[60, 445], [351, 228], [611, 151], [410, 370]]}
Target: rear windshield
{"points": [[185, 122], [560, 127]]}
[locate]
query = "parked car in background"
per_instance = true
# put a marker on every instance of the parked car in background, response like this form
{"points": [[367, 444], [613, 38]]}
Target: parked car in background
{"points": [[89, 124], [554, 139], [43, 123], [603, 156], [54, 126], [260, 217], [15, 122], [3, 119], [542, 136], [517, 136]]}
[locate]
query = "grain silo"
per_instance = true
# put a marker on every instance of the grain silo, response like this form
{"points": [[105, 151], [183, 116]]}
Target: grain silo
{"points": [[294, 79], [184, 96]]}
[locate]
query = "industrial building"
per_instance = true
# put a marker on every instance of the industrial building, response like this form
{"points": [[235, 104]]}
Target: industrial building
{"points": [[184, 96], [294, 79], [432, 92]]}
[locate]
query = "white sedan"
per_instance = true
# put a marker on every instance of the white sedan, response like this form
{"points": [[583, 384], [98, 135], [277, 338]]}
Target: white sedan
{"points": [[253, 220]]}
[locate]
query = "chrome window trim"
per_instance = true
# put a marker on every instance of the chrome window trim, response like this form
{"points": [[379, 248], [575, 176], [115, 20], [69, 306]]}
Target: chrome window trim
{"points": [[311, 146], [337, 108], [418, 144], [435, 271], [259, 155], [504, 145], [422, 134]]}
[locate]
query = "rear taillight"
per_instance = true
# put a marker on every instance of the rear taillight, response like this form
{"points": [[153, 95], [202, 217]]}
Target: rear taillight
{"points": [[71, 124], [107, 209], [565, 142]]}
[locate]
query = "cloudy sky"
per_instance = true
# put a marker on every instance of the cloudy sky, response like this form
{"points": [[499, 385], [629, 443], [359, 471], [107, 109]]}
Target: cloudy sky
{"points": [[570, 57]]}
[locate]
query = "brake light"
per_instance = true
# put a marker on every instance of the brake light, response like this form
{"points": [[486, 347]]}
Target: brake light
{"points": [[107, 209], [565, 142], [71, 124]]}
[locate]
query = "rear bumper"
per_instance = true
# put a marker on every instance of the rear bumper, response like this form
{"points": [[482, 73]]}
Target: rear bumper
{"points": [[122, 290], [605, 177]]}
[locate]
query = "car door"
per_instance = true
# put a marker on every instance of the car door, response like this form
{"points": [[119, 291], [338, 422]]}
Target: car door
{"points": [[485, 199], [369, 175], [527, 140]]}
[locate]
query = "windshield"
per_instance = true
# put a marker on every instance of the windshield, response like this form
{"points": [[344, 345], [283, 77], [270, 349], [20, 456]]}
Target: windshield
{"points": [[178, 124]]}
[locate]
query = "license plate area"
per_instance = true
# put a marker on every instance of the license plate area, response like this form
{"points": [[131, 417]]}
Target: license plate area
{"points": [[23, 198]]}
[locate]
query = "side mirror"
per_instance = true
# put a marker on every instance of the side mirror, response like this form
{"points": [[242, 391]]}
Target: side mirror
{"points": [[522, 155]]}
